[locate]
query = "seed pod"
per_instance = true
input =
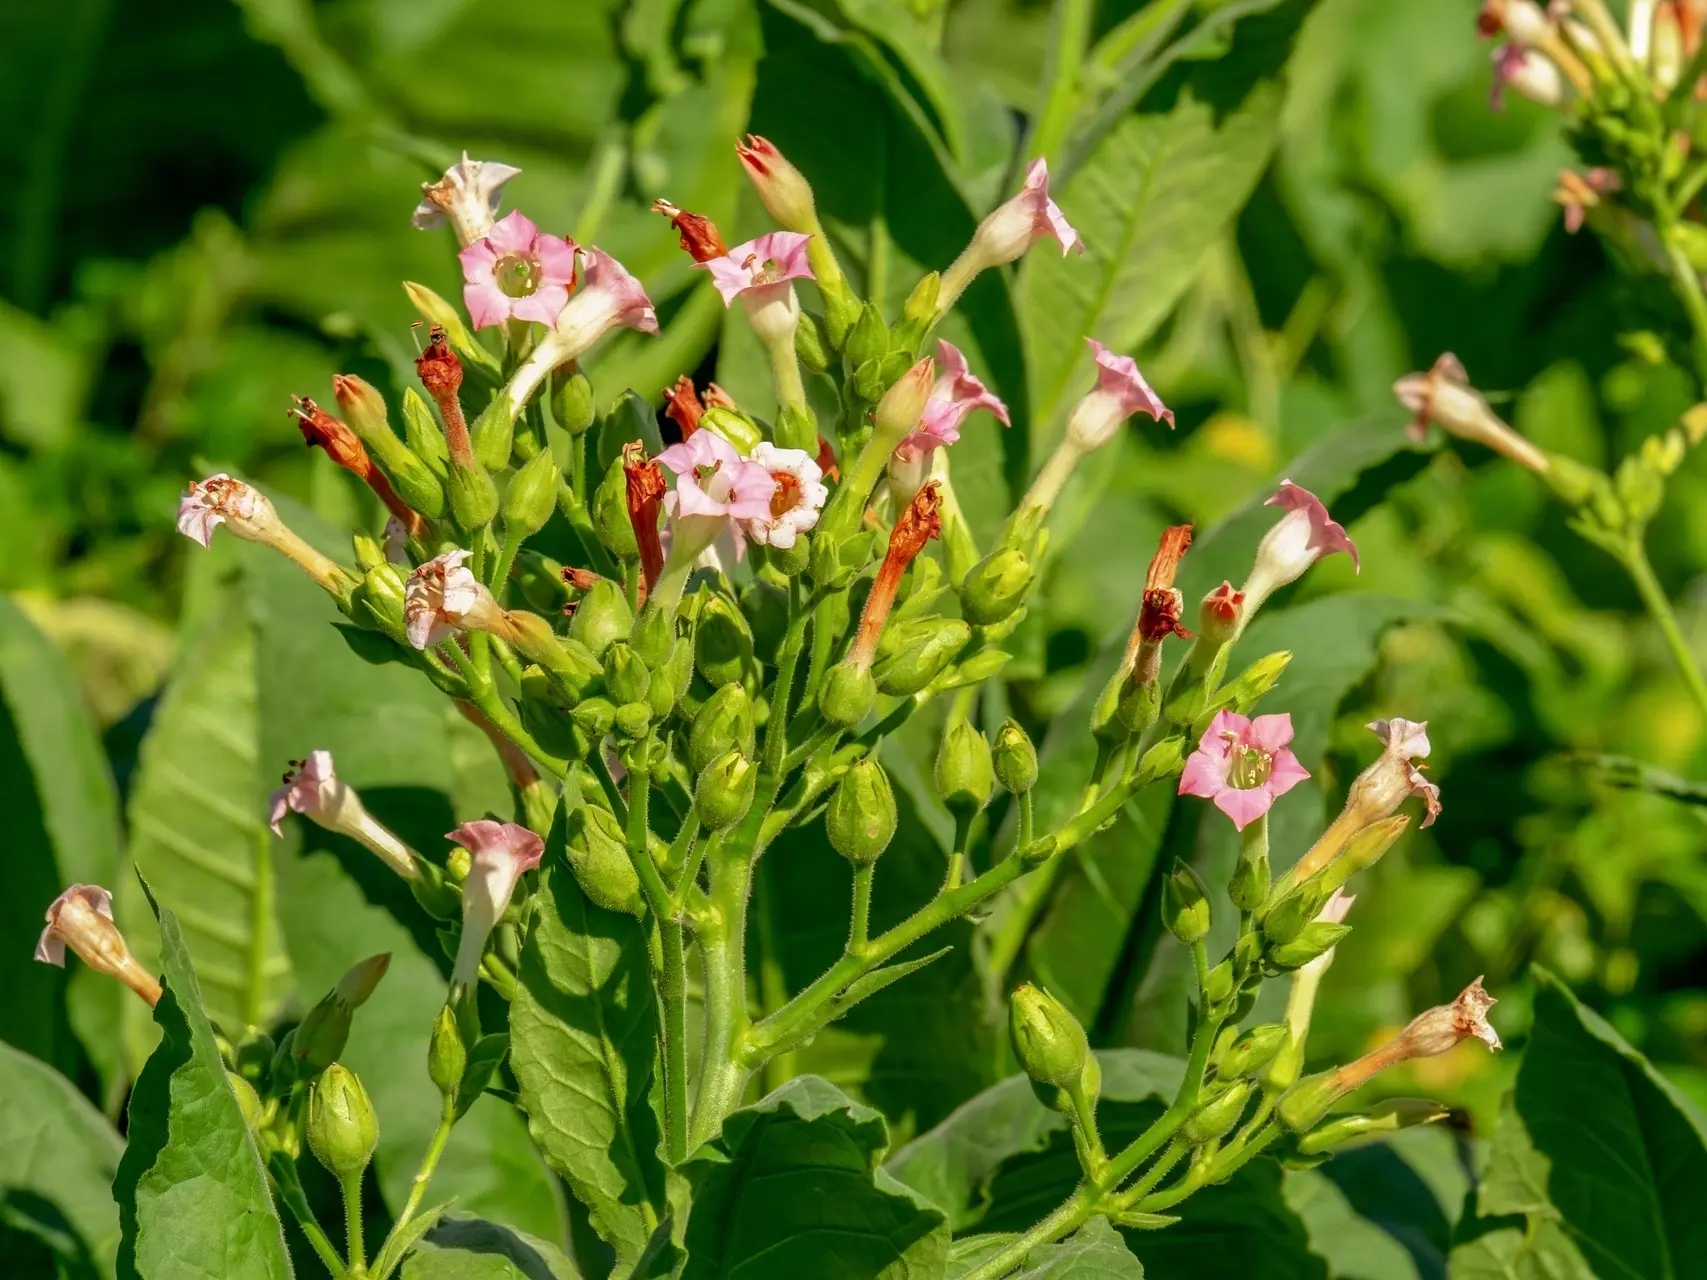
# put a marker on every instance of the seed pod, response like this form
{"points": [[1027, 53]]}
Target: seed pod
{"points": [[965, 773], [1219, 988], [1047, 1039], [1015, 759], [447, 1059], [1253, 1051], [601, 617], [723, 644], [861, 817], [1250, 882], [572, 400], [473, 498], [811, 343], [611, 525], [723, 723], [626, 677], [921, 650], [725, 790], [1306, 1102], [421, 433], [493, 434], [1218, 1115], [531, 496], [995, 586], [847, 695], [1185, 904], [632, 721], [342, 1128], [597, 850], [670, 679], [377, 602], [868, 340], [1140, 703], [796, 428], [1290, 916]]}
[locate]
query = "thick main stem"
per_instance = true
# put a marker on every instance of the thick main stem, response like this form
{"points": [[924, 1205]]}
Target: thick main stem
{"points": [[1078, 1210], [673, 991]]}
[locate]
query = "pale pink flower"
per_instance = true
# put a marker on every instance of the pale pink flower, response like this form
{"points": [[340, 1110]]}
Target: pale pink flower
{"points": [[439, 596], [771, 260], [1120, 392], [467, 195], [209, 503], [796, 502], [1016, 224], [1532, 74], [1301, 537], [1579, 193], [312, 787], [716, 489], [517, 272], [501, 853], [955, 394], [1380, 788], [1243, 765], [82, 918]]}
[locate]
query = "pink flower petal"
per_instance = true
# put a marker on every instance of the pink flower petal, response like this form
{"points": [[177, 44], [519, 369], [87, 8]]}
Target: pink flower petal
{"points": [[1203, 775], [1243, 807], [515, 232], [487, 304], [1118, 376], [1271, 733], [1285, 773]]}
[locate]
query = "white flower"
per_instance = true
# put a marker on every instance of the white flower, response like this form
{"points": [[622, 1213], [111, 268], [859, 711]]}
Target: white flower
{"points": [[313, 788], [799, 497], [467, 195], [439, 596]]}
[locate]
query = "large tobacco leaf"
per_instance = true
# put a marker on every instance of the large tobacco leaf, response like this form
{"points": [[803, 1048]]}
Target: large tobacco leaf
{"points": [[462, 1248], [583, 1028], [792, 1186], [192, 1185]]}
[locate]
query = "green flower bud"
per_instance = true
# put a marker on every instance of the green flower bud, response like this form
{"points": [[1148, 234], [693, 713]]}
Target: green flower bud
{"points": [[1317, 938], [965, 773], [1575, 484], [723, 644], [493, 434], [531, 496], [1384, 1118], [1305, 1103], [1218, 1115], [611, 525], [446, 1057], [364, 409], [1289, 917], [255, 1055], [1282, 1072], [861, 817], [996, 586], [1185, 904], [632, 720], [248, 1101], [734, 426], [868, 340], [436, 311], [671, 679], [362, 979], [1256, 680], [342, 1129], [321, 1036], [1253, 1051], [725, 790], [1164, 760], [1250, 883], [366, 551], [1106, 722], [422, 434], [545, 714], [1015, 759], [920, 650], [918, 314], [811, 343], [626, 676], [725, 722], [473, 498], [791, 561], [601, 617], [867, 383], [597, 850], [377, 602], [654, 633], [847, 696], [796, 428], [571, 400], [1219, 988], [1047, 1039], [1139, 704], [892, 370], [594, 717]]}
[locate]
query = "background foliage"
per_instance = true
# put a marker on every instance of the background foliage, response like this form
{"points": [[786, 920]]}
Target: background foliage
{"points": [[208, 211]]}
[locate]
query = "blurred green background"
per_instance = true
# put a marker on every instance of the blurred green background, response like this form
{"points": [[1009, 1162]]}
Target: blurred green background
{"points": [[207, 210]]}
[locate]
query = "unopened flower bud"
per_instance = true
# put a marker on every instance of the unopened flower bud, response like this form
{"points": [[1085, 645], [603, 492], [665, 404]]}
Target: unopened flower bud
{"points": [[321, 1036], [447, 1059], [781, 188], [899, 410], [1252, 1051], [723, 643], [724, 723], [611, 523], [473, 498], [1384, 1118], [868, 340], [1015, 759], [421, 433], [725, 790], [861, 817], [364, 409], [1315, 939], [734, 426], [82, 918], [919, 312], [965, 773], [342, 1127], [1185, 904], [812, 344], [1219, 988], [601, 618], [848, 694], [1257, 680], [597, 851], [632, 721], [919, 650], [1047, 1039], [1218, 618], [996, 586], [1218, 1115], [1306, 1102], [248, 1101], [626, 676], [572, 400], [531, 496]]}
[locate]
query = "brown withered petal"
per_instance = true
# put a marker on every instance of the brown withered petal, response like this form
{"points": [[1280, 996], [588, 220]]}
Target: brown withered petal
{"points": [[827, 460], [682, 406], [1176, 540], [580, 579], [699, 235], [919, 523], [321, 429], [437, 367]]}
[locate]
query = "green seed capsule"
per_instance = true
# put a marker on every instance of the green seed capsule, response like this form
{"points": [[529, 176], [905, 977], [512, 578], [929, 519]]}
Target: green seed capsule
{"points": [[611, 525], [572, 400], [1318, 938], [601, 617], [473, 498], [1015, 759], [921, 650], [1047, 1039], [965, 773], [626, 677], [531, 496], [847, 696], [1253, 1051], [1218, 1115], [447, 1059], [342, 1128], [1185, 904], [996, 586], [597, 851], [725, 722], [725, 790], [861, 817]]}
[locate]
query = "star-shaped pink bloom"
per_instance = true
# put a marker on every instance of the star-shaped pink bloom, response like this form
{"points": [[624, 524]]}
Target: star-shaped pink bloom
{"points": [[437, 597], [955, 394], [312, 788], [517, 272], [716, 488], [1118, 376], [609, 296], [1243, 765], [502, 852], [773, 259], [1309, 531]]}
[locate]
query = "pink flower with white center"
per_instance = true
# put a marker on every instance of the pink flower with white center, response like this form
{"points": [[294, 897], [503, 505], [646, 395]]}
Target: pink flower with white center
{"points": [[1531, 74], [467, 195], [1243, 765], [209, 503], [82, 918], [1302, 536], [798, 499], [770, 261], [955, 394], [517, 272], [313, 788], [1010, 229], [439, 597], [715, 485], [1120, 392], [501, 853]]}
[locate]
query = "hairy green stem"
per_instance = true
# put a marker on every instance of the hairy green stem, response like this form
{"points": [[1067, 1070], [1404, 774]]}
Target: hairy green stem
{"points": [[1078, 1210], [859, 923], [673, 992], [1659, 607], [289, 1190], [351, 1185]]}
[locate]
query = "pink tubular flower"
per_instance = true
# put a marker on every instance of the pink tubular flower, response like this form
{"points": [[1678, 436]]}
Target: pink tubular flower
{"points": [[771, 260], [313, 788], [1026, 218], [1301, 537], [82, 918], [1243, 765], [517, 272], [439, 596], [782, 189], [1531, 74], [1120, 392], [955, 394], [502, 852], [796, 502], [716, 488]]}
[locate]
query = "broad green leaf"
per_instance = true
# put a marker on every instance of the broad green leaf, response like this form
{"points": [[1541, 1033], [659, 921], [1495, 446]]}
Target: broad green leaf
{"points": [[192, 1186], [57, 1160], [197, 815], [1540, 1251], [63, 828], [460, 1248], [1094, 1252], [1243, 1224], [583, 1028], [1599, 1143], [1149, 203], [792, 1187], [952, 1164]]}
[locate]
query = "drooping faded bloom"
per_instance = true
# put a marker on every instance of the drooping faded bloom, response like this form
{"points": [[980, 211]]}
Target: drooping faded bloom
{"points": [[1377, 792], [313, 788], [517, 272], [1009, 230], [766, 264], [323, 431], [467, 195], [501, 853], [1301, 537], [443, 597], [699, 236], [247, 513], [956, 394], [1444, 395], [82, 918], [1243, 765], [798, 499]]}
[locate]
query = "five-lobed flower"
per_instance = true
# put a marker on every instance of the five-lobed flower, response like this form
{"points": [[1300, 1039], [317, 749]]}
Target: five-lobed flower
{"points": [[500, 853], [313, 788], [467, 196], [1243, 765], [517, 272]]}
